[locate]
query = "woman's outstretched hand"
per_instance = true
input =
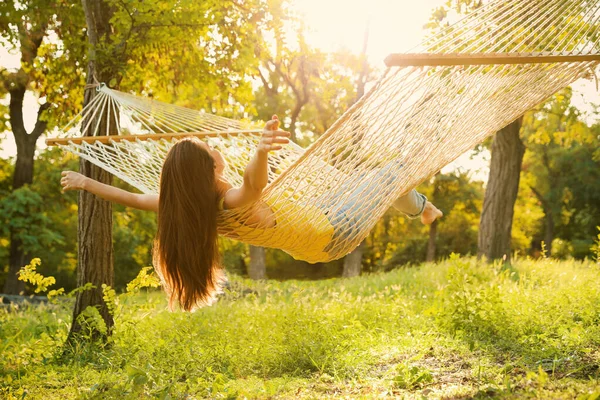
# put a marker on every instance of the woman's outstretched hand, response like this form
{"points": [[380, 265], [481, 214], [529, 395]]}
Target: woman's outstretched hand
{"points": [[72, 181], [272, 138]]}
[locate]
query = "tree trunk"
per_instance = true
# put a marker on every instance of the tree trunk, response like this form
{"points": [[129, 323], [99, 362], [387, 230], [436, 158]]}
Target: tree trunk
{"points": [[257, 268], [501, 193], [431, 243], [353, 262], [23, 175], [548, 205], [548, 231], [95, 253], [294, 118]]}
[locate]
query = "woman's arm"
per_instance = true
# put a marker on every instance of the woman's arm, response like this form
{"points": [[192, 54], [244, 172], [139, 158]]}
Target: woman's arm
{"points": [[256, 174], [74, 181]]}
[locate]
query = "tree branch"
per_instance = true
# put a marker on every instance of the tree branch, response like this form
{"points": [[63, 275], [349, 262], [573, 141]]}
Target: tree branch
{"points": [[4, 78], [16, 85], [546, 162], [31, 42], [287, 80], [305, 79], [40, 123], [322, 113], [539, 196], [271, 92], [171, 25]]}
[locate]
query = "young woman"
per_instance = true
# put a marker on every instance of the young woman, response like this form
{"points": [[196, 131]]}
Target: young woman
{"points": [[192, 193]]}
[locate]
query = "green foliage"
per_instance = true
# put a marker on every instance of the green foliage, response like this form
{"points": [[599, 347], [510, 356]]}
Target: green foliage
{"points": [[133, 236], [45, 214], [55, 220], [143, 280], [460, 198], [528, 218], [410, 376], [470, 301], [28, 274], [195, 54], [561, 174], [153, 47], [457, 328], [61, 209], [91, 322], [22, 209], [234, 255], [395, 240], [110, 298], [55, 72]]}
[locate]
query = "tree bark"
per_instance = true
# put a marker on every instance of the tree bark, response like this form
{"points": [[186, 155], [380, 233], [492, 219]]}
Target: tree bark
{"points": [[548, 217], [501, 193], [300, 103], [257, 268], [431, 243], [95, 253], [549, 231], [353, 262]]}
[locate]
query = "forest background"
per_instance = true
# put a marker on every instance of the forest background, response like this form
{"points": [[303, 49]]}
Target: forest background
{"points": [[252, 60]]}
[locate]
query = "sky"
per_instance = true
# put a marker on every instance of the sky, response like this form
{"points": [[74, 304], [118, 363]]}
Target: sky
{"points": [[394, 26]]}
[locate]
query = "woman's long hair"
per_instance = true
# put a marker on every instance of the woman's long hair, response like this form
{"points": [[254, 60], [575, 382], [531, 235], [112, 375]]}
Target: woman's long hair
{"points": [[186, 254]]}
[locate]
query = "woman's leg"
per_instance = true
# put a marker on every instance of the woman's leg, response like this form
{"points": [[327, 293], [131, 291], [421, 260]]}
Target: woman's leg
{"points": [[415, 204], [411, 204], [430, 214], [346, 217]]}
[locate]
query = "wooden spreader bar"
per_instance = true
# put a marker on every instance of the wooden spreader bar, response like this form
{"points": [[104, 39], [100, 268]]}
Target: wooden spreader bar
{"points": [[152, 136], [434, 60]]}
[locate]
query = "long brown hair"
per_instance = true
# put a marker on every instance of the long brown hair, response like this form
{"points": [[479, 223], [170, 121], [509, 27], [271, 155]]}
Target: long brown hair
{"points": [[185, 249]]}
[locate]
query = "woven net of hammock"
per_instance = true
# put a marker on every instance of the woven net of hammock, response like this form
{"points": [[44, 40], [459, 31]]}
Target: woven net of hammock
{"points": [[493, 65]]}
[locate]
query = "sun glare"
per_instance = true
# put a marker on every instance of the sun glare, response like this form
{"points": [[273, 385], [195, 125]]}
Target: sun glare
{"points": [[394, 26]]}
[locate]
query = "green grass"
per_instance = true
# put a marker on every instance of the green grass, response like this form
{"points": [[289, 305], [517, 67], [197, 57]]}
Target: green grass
{"points": [[457, 329]]}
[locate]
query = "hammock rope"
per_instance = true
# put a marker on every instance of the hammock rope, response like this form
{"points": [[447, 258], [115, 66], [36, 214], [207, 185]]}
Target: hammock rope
{"points": [[428, 108]]}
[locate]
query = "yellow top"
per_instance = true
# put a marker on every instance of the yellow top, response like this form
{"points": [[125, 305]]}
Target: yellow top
{"points": [[301, 230]]}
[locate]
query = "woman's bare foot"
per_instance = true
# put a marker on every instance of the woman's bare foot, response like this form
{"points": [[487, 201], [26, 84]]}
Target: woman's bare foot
{"points": [[430, 214]]}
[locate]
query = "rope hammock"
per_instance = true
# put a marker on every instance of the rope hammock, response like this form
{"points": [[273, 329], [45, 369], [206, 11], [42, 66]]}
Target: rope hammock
{"points": [[429, 107]]}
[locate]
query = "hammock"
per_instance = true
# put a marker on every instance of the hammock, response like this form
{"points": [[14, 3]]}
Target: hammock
{"points": [[429, 107]]}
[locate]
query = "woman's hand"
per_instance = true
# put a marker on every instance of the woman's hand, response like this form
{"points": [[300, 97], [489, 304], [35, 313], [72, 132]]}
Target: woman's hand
{"points": [[256, 175], [72, 181], [272, 138]]}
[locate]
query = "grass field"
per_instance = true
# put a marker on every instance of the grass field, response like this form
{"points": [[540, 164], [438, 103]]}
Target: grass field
{"points": [[455, 330]]}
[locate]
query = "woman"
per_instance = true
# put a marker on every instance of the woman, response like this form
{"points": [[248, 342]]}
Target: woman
{"points": [[192, 192]]}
